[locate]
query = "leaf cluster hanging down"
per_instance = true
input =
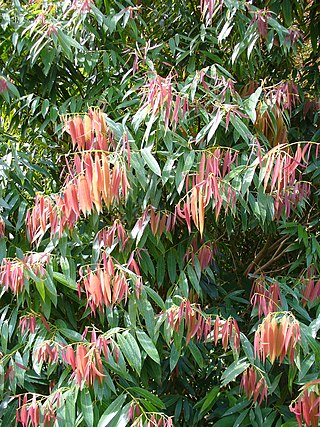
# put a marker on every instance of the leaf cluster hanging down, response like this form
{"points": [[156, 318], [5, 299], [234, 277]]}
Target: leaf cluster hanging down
{"points": [[208, 187], [306, 406], [277, 337], [254, 385], [106, 285], [92, 183], [196, 324]]}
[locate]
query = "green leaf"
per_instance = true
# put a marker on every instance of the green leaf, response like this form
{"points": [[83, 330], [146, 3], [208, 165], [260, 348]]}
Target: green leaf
{"points": [[65, 46], [251, 103], [160, 269], [194, 280], [174, 357], [237, 408], [235, 369], [147, 264], [122, 418], [150, 397], [210, 399], [51, 289], [45, 107], [247, 178], [196, 353], [240, 418], [214, 124], [148, 346], [188, 161], [228, 421], [41, 289], [150, 160], [69, 333], [61, 278], [241, 128], [86, 407], [3, 249], [155, 297], [70, 408], [290, 424], [113, 409], [130, 349], [247, 347], [172, 269], [21, 215]]}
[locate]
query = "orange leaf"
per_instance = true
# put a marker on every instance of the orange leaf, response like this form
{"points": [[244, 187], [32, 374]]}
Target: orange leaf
{"points": [[276, 172], [81, 359], [80, 132], [106, 180], [97, 184], [194, 206], [201, 212], [84, 195], [106, 288], [88, 133], [269, 165], [272, 337]]}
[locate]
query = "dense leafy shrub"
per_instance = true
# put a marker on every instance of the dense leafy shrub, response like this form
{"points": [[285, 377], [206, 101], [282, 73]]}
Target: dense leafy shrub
{"points": [[159, 213]]}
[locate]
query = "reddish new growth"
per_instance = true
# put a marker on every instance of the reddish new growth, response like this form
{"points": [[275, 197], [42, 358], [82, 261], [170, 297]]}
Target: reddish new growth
{"points": [[35, 411], [147, 420], [14, 272], [2, 228], [277, 337], [265, 296], [133, 266], [82, 5], [90, 132], [209, 8], [311, 105], [254, 385], [3, 85], [106, 285], [92, 182], [159, 222], [294, 35], [115, 234], [95, 179], [311, 285], [261, 17], [85, 360], [200, 326], [47, 352], [307, 406], [208, 186], [285, 95], [160, 97], [41, 218], [86, 364], [27, 323], [280, 177], [204, 254]]}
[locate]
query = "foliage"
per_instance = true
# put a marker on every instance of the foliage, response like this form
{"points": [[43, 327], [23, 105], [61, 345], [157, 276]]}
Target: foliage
{"points": [[159, 200]]}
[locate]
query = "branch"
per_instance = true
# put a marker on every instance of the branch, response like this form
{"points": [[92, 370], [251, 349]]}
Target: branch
{"points": [[266, 248], [272, 260], [258, 257]]}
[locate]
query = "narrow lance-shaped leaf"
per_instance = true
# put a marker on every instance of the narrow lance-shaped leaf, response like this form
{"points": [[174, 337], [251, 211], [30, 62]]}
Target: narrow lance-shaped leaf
{"points": [[148, 345], [150, 160], [130, 349]]}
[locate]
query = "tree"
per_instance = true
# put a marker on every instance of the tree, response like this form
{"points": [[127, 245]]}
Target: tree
{"points": [[160, 213]]}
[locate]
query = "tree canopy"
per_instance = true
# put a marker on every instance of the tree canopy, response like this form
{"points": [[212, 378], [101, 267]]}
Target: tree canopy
{"points": [[159, 204]]}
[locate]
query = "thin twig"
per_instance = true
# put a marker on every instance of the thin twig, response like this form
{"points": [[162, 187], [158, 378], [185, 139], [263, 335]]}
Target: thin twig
{"points": [[272, 260]]}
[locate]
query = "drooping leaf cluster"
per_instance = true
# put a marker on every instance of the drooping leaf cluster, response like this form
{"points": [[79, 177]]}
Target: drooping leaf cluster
{"points": [[159, 194]]}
